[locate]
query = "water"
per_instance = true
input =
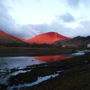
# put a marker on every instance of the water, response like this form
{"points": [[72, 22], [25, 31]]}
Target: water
{"points": [[17, 62], [7, 64], [22, 62], [79, 53], [39, 80], [14, 67]]}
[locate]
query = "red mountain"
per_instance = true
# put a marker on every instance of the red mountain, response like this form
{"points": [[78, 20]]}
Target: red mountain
{"points": [[46, 38], [2, 33], [6, 39]]}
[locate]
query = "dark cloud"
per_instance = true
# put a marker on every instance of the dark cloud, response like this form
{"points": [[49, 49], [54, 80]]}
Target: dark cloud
{"points": [[26, 31], [67, 17], [7, 24], [81, 30], [6, 21], [85, 31], [53, 27], [73, 3], [76, 3]]}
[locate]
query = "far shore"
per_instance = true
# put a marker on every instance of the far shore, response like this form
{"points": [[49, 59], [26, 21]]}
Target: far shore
{"points": [[42, 51], [23, 51]]}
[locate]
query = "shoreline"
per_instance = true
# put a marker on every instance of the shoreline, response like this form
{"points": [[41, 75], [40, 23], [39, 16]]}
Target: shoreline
{"points": [[75, 75], [34, 51]]}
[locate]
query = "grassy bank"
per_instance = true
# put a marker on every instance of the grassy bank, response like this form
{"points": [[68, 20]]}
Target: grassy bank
{"points": [[17, 51]]}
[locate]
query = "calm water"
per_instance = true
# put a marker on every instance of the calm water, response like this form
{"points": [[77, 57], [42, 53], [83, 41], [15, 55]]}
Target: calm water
{"points": [[18, 62], [21, 62]]}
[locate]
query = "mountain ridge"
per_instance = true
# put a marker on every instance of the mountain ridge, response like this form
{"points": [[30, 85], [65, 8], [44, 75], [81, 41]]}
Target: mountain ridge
{"points": [[74, 42], [46, 38], [9, 40]]}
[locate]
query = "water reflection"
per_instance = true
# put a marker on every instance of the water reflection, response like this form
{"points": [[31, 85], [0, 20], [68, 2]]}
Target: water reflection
{"points": [[23, 76], [24, 61], [17, 62], [13, 67], [21, 62], [51, 58]]}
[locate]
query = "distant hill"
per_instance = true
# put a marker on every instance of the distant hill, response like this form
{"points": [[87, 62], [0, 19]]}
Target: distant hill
{"points": [[74, 42], [47, 38], [9, 40]]}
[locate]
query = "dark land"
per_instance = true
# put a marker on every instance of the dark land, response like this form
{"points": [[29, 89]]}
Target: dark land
{"points": [[71, 74], [23, 51]]}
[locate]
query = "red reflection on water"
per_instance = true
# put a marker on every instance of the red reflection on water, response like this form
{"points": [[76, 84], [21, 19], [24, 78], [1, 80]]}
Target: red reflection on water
{"points": [[51, 58]]}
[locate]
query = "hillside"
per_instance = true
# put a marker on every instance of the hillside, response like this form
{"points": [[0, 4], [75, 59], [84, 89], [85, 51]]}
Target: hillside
{"points": [[74, 42], [9, 40], [46, 38]]}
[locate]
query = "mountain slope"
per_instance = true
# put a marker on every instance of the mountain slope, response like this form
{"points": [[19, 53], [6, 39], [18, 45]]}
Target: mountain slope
{"points": [[7, 39], [46, 38], [74, 42]]}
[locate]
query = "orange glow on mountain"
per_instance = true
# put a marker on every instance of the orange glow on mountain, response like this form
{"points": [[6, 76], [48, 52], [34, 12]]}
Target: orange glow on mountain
{"points": [[4, 34], [47, 38], [51, 58]]}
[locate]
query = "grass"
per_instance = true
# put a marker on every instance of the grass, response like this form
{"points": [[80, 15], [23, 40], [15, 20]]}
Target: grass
{"points": [[16, 51]]}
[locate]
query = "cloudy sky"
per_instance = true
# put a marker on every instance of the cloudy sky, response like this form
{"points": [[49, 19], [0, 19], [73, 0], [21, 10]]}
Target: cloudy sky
{"points": [[27, 18]]}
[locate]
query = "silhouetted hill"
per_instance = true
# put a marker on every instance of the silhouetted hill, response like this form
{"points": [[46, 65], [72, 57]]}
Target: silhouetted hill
{"points": [[9, 40], [74, 42]]}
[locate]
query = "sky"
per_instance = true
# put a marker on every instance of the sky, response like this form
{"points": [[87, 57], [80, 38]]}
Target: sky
{"points": [[28, 18]]}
